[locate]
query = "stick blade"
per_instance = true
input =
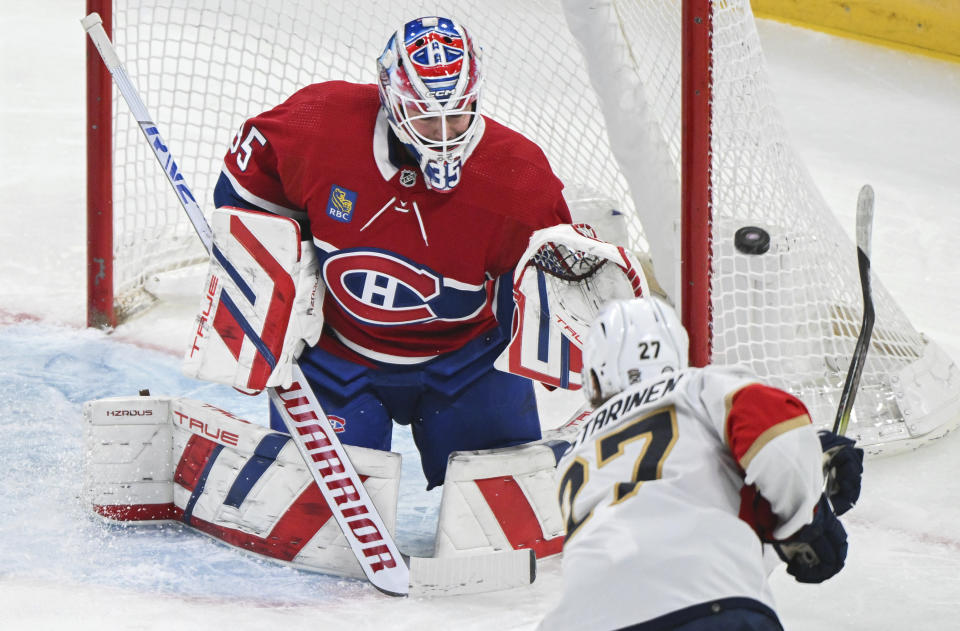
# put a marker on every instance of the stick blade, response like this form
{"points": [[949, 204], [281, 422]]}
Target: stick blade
{"points": [[865, 218], [473, 574]]}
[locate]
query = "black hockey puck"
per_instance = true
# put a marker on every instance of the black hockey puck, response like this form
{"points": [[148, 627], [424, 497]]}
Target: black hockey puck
{"points": [[752, 240]]}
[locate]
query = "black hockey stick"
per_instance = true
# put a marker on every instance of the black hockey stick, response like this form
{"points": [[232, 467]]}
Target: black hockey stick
{"points": [[850, 386]]}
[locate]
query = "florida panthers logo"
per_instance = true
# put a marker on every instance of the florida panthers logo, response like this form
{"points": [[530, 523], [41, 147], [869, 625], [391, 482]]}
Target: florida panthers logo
{"points": [[381, 288]]}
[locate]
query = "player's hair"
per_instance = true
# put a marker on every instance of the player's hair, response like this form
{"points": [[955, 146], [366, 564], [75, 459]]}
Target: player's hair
{"points": [[630, 341]]}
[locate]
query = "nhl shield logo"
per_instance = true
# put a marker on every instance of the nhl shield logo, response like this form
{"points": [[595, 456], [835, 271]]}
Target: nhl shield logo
{"points": [[408, 177]]}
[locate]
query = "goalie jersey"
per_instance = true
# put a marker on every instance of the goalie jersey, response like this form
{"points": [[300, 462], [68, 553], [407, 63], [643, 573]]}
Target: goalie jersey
{"points": [[665, 492], [410, 273]]}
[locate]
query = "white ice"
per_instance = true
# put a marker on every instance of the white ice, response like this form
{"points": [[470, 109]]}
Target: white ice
{"points": [[857, 113]]}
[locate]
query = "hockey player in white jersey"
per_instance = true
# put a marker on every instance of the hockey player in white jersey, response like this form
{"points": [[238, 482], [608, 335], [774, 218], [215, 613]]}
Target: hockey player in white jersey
{"points": [[677, 479]]}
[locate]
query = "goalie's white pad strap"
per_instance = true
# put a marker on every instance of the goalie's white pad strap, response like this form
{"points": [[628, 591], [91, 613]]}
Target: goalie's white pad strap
{"points": [[262, 302], [551, 316], [501, 499], [238, 482]]}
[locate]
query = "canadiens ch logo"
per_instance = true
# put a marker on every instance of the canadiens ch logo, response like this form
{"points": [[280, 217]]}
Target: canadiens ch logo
{"points": [[341, 203], [408, 177], [384, 289], [338, 424]]}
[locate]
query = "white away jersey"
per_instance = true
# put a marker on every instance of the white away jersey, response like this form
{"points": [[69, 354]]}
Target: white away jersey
{"points": [[661, 493]]}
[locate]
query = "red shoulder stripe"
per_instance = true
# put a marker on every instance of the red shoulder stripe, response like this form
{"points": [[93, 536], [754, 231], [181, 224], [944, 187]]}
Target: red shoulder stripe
{"points": [[756, 414]]}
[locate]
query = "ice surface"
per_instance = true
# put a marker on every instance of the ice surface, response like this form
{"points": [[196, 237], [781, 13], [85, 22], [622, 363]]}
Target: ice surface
{"points": [[857, 113]]}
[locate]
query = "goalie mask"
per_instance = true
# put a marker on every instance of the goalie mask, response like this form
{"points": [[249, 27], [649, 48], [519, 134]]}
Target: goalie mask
{"points": [[429, 78], [631, 340]]}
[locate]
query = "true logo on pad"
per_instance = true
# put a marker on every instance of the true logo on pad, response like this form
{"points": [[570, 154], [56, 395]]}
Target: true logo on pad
{"points": [[341, 203]]}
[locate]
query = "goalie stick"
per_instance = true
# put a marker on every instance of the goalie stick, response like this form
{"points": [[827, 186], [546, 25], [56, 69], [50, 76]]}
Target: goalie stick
{"points": [[864, 227], [383, 564]]}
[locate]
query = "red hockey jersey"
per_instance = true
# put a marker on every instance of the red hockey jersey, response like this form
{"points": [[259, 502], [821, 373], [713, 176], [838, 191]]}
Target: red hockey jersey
{"points": [[410, 273]]}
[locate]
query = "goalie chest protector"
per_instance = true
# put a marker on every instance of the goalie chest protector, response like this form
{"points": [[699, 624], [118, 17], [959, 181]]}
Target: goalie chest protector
{"points": [[409, 272]]}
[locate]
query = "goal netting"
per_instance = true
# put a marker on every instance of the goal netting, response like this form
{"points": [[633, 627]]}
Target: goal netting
{"points": [[597, 84]]}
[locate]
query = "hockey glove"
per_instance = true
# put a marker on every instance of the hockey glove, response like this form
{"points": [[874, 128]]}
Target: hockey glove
{"points": [[818, 550], [842, 469], [570, 274]]}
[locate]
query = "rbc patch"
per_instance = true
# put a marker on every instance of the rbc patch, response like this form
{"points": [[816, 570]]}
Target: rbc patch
{"points": [[341, 203]]}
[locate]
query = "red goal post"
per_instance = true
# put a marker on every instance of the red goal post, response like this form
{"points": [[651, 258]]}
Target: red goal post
{"points": [[656, 109], [100, 304], [695, 169]]}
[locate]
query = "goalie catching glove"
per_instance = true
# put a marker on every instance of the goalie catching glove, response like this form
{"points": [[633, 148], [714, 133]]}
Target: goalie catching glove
{"points": [[262, 303], [563, 279]]}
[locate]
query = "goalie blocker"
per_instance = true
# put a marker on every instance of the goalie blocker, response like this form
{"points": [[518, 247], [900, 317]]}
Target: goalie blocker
{"points": [[262, 302]]}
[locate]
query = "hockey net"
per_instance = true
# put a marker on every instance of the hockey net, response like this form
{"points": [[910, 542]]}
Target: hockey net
{"points": [[564, 73]]}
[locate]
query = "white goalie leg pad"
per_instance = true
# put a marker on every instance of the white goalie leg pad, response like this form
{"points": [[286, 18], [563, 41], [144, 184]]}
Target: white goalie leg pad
{"points": [[248, 486], [564, 279], [152, 458], [501, 499], [128, 458], [262, 302]]}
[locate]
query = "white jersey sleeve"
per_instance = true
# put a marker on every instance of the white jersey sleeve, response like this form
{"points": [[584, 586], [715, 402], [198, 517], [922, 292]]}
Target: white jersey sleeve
{"points": [[769, 433]]}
